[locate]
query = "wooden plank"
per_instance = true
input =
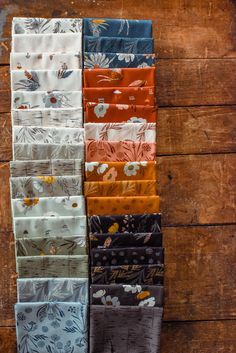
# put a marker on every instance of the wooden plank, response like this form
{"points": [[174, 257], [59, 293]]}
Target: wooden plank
{"points": [[199, 337], [8, 340], [5, 137], [193, 29], [197, 189], [5, 204], [200, 273]]}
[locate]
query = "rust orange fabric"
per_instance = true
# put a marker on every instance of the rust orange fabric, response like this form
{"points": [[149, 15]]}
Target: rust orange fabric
{"points": [[117, 171], [121, 95], [123, 205], [120, 188], [119, 151], [109, 113], [128, 77]]}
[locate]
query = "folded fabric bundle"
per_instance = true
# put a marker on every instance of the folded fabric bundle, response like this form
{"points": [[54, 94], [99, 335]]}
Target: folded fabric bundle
{"points": [[115, 27], [114, 45], [46, 167], [70, 117], [117, 60], [32, 151], [139, 329], [52, 266], [50, 61], [51, 226], [120, 188], [133, 223], [128, 274], [134, 77], [29, 25], [48, 135], [44, 99], [143, 132], [51, 42], [127, 256], [109, 113], [47, 80], [51, 327], [44, 186], [121, 240], [53, 290], [75, 245], [120, 171], [119, 151], [122, 95], [124, 294], [49, 206]]}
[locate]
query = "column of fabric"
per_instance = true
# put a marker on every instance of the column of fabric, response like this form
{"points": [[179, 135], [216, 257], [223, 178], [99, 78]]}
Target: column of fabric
{"points": [[124, 223], [48, 206]]}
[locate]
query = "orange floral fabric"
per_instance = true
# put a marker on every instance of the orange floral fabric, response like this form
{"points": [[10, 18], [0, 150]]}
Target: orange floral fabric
{"points": [[123, 205], [120, 151], [120, 188], [109, 113], [121, 95], [128, 77], [117, 171]]}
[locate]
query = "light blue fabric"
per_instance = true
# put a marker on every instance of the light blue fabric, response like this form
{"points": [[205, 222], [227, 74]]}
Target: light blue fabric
{"points": [[117, 60], [51, 327]]}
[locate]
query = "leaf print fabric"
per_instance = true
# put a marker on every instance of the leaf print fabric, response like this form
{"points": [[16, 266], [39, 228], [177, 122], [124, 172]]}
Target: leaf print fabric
{"points": [[46, 167], [122, 95], [44, 61], [120, 188], [51, 226], [135, 295], [117, 45], [117, 60], [133, 223], [51, 327], [143, 132], [119, 113], [52, 266], [53, 290], [120, 171], [120, 151], [47, 80], [69, 117], [117, 27], [134, 77], [139, 329]]}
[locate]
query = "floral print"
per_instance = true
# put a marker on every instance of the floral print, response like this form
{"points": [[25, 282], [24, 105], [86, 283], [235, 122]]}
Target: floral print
{"points": [[51, 327]]}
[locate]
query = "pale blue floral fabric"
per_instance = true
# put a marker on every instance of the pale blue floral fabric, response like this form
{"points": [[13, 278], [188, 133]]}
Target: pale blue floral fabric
{"points": [[51, 327]]}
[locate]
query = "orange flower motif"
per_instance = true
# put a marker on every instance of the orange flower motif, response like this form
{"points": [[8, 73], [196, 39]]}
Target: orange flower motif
{"points": [[114, 228], [47, 179], [30, 202], [110, 175], [143, 295], [97, 22]]}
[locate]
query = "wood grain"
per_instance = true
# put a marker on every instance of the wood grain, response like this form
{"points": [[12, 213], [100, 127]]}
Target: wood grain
{"points": [[5, 137], [5, 203], [8, 339]]}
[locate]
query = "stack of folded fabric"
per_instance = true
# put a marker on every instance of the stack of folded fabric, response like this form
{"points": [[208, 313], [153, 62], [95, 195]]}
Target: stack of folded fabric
{"points": [[126, 254], [46, 186]]}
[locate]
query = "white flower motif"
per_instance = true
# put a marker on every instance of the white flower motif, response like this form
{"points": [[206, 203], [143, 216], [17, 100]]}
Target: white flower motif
{"points": [[96, 60], [89, 166], [143, 163], [110, 301], [136, 120], [101, 168], [131, 168], [69, 204], [126, 57], [122, 106], [117, 91], [100, 293], [147, 302], [132, 289], [143, 65], [100, 110]]}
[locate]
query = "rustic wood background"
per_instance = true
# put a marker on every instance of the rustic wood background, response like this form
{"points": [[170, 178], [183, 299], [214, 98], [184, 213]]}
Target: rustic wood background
{"points": [[196, 44]]}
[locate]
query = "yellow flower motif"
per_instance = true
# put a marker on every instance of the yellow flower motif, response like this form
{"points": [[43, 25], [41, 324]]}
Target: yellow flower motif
{"points": [[98, 22], [143, 295], [47, 179], [30, 202], [114, 228]]}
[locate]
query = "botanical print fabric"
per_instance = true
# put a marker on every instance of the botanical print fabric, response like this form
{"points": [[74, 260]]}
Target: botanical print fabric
{"points": [[51, 327], [122, 294], [110, 113], [117, 27], [120, 77], [117, 60], [50, 61], [120, 188], [117, 45], [52, 290], [119, 151], [139, 329]]}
